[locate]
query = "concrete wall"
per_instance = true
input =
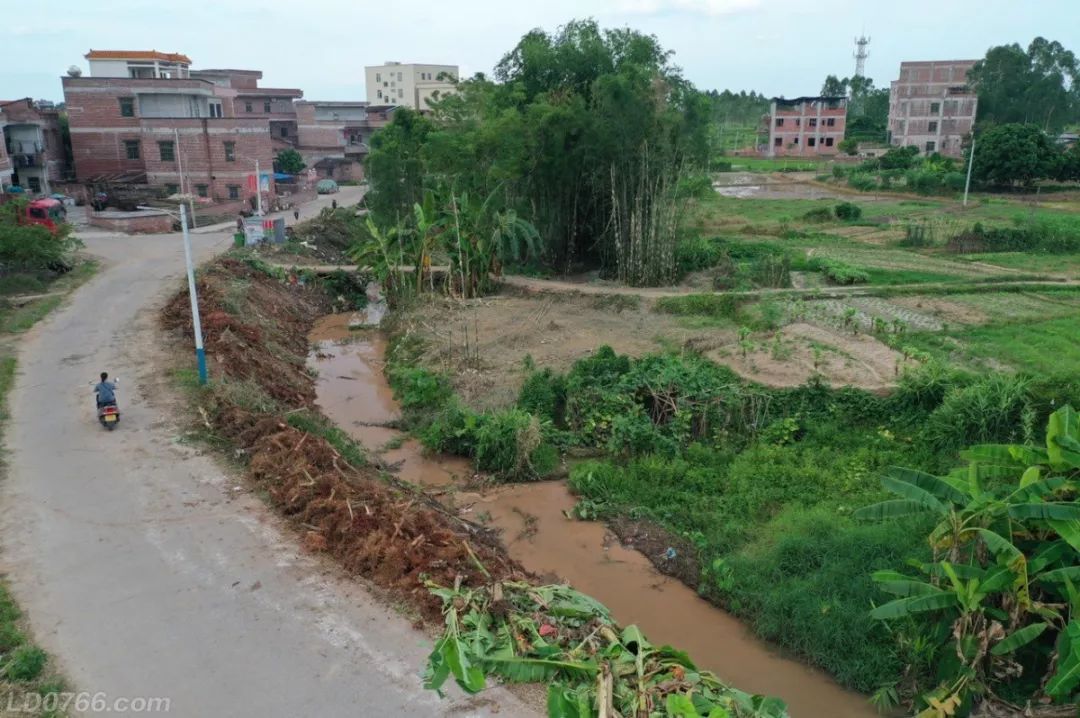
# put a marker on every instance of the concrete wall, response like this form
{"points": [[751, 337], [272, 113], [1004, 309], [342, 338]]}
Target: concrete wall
{"points": [[132, 222]]}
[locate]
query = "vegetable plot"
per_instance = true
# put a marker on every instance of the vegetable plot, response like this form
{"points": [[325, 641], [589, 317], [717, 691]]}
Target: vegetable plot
{"points": [[553, 634]]}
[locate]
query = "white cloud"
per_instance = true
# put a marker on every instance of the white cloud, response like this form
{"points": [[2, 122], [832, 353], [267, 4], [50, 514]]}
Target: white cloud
{"points": [[700, 7]]}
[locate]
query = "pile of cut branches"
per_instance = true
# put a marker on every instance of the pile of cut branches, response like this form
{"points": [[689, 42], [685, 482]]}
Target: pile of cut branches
{"points": [[552, 634]]}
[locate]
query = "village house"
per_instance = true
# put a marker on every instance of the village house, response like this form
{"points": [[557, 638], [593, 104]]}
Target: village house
{"points": [[32, 156], [806, 126], [931, 106]]}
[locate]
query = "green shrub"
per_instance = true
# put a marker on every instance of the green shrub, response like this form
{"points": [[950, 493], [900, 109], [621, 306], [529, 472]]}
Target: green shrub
{"points": [[707, 305], [511, 445], [772, 270], [898, 158], [26, 663], [923, 181], [695, 186], [954, 181], [993, 408], [634, 433], [839, 171], [848, 211], [544, 395], [696, 253], [839, 272], [453, 429], [862, 181], [416, 388], [820, 214]]}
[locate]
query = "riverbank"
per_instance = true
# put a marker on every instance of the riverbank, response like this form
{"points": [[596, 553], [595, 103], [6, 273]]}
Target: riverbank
{"points": [[261, 409]]}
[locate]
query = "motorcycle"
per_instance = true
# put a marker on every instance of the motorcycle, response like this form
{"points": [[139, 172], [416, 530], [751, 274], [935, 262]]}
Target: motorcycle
{"points": [[108, 413]]}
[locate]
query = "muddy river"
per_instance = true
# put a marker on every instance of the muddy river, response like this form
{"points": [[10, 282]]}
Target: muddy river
{"points": [[353, 392]]}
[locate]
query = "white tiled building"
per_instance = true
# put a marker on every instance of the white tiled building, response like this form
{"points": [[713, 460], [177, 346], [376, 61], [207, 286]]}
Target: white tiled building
{"points": [[408, 84]]}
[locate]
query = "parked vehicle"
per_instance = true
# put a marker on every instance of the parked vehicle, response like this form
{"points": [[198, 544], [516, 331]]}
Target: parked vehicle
{"points": [[49, 213]]}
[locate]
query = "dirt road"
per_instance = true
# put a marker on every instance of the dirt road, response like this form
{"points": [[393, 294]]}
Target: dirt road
{"points": [[142, 567]]}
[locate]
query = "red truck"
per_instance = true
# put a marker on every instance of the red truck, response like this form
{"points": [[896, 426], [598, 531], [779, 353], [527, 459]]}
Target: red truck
{"points": [[47, 212]]}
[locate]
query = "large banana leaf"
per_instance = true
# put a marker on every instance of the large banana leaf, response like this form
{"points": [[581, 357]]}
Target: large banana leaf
{"points": [[900, 584], [1060, 574], [1068, 530], [1051, 510], [1019, 638], [894, 508], [1063, 423], [518, 669], [914, 604], [1067, 676], [929, 483]]}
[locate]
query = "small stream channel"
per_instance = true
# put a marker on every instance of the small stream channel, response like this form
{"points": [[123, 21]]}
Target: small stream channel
{"points": [[353, 392]]}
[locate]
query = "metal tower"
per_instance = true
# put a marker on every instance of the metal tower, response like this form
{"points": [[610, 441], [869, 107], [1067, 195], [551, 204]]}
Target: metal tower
{"points": [[860, 55]]}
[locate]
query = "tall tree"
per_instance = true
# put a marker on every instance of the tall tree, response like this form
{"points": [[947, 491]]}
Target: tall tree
{"points": [[1040, 85], [1015, 154]]}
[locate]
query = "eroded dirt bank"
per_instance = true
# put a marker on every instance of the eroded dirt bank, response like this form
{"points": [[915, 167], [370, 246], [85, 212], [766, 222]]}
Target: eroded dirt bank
{"points": [[531, 518]]}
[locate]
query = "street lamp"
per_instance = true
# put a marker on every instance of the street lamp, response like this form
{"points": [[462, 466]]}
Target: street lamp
{"points": [[200, 353]]}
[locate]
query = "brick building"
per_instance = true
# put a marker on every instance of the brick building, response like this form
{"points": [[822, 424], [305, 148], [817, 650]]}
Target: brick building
{"points": [[334, 136], [240, 89], [806, 126], [6, 170], [932, 107], [143, 116], [33, 145]]}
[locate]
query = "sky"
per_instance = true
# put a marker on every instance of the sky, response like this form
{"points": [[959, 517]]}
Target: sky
{"points": [[777, 47]]}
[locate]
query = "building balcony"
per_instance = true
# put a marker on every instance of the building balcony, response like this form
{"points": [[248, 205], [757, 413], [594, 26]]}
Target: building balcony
{"points": [[28, 159]]}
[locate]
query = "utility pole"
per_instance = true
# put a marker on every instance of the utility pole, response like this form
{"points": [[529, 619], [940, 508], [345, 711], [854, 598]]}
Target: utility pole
{"points": [[971, 161], [180, 171], [200, 353], [258, 190]]}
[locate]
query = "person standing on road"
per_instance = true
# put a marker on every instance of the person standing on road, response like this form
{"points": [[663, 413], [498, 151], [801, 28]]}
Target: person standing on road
{"points": [[239, 223], [296, 214], [333, 204]]}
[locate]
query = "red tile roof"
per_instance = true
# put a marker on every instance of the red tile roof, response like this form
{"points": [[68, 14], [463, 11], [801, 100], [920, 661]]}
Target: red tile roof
{"points": [[137, 55]]}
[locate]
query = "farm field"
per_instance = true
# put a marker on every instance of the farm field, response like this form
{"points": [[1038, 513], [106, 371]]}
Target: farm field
{"points": [[859, 348]]}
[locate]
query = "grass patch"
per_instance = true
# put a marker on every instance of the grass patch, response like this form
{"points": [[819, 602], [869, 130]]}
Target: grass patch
{"points": [[717, 306], [1040, 347]]}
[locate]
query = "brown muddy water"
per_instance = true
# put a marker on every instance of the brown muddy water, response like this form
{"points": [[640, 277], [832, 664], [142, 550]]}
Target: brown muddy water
{"points": [[354, 393]]}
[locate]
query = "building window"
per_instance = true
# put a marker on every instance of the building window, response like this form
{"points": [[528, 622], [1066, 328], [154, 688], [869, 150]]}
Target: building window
{"points": [[234, 191], [931, 127], [202, 190], [798, 121], [811, 141], [830, 121], [795, 141], [400, 93], [828, 141], [131, 149], [230, 152], [931, 146], [935, 108], [266, 107], [215, 109], [813, 122], [247, 107], [779, 121], [778, 142], [378, 77], [167, 151], [379, 94], [171, 189], [284, 131], [35, 184], [127, 106], [399, 77]]}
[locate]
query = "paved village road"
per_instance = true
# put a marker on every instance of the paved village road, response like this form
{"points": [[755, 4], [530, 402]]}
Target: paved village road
{"points": [[143, 569]]}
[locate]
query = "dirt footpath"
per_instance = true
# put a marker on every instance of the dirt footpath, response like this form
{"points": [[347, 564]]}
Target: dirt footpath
{"points": [[144, 570]]}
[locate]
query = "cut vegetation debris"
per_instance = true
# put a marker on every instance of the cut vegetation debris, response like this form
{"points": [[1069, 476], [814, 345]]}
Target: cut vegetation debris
{"points": [[554, 635]]}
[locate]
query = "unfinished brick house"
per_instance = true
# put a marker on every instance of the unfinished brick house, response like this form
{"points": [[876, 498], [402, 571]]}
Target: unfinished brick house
{"points": [[806, 126], [33, 145], [334, 136], [932, 107], [143, 116], [240, 89]]}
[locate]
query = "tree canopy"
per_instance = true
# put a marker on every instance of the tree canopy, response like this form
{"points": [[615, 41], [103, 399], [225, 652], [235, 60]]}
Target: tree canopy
{"points": [[583, 132], [1040, 85], [289, 161], [1015, 154], [868, 106]]}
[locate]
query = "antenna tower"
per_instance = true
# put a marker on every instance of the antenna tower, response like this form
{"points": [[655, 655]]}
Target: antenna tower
{"points": [[860, 55]]}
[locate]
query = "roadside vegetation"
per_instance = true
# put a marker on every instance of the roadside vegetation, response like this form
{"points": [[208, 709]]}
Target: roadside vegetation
{"points": [[38, 269]]}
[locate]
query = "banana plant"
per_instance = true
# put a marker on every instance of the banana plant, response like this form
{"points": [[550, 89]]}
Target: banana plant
{"points": [[1000, 593]]}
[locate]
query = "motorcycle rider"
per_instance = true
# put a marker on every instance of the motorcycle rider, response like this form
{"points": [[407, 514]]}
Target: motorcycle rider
{"points": [[105, 391]]}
